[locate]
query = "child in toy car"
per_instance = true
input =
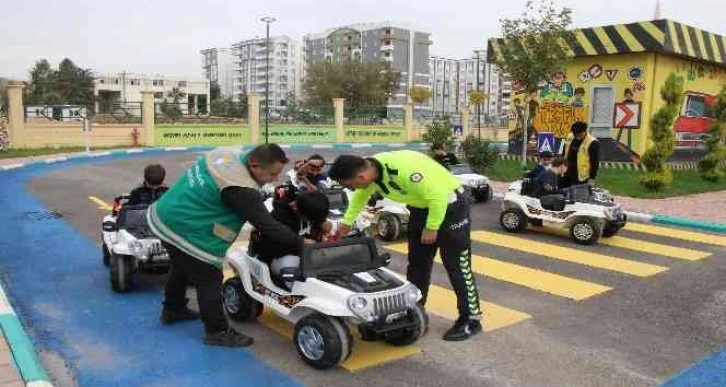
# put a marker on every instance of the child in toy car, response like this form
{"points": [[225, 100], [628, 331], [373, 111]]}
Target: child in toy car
{"points": [[304, 213]]}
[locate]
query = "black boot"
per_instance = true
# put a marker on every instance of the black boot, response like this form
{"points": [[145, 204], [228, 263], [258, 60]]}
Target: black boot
{"points": [[169, 316], [463, 329], [228, 338]]}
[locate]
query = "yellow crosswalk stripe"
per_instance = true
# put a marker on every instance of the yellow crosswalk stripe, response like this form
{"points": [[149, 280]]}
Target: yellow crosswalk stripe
{"points": [[568, 254], [638, 245], [654, 248], [677, 234], [101, 204], [528, 277], [442, 302]]}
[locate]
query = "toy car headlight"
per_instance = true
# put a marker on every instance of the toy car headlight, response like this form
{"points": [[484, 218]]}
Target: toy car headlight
{"points": [[413, 293], [136, 247], [358, 303]]}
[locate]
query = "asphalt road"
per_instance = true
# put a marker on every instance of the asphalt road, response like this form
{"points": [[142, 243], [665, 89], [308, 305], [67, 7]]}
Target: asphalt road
{"points": [[580, 320]]}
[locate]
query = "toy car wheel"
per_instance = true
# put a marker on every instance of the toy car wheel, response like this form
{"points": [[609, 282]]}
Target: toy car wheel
{"points": [[238, 304], [513, 220], [121, 273], [610, 230], [106, 254], [409, 336], [585, 231], [322, 341], [389, 227]]}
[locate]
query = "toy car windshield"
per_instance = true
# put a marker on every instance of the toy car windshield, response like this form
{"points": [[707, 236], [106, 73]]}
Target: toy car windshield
{"points": [[351, 255], [461, 169]]}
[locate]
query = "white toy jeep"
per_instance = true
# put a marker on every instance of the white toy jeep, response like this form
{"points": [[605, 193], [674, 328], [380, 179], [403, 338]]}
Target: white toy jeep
{"points": [[478, 185], [129, 247], [587, 212], [337, 285]]}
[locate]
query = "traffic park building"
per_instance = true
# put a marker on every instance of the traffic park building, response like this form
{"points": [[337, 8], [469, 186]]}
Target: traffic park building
{"points": [[613, 83]]}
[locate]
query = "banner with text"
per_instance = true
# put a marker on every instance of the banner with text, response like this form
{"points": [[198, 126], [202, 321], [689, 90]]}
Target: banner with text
{"points": [[375, 134], [299, 134], [171, 135]]}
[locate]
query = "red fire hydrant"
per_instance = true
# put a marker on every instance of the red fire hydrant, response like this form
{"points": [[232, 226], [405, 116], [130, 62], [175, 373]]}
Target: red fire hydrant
{"points": [[135, 135]]}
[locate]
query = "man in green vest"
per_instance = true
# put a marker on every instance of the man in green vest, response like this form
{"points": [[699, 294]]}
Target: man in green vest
{"points": [[582, 153], [200, 217], [439, 218]]}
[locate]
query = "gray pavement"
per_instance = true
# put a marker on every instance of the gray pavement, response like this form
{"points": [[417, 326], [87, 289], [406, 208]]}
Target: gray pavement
{"points": [[638, 333]]}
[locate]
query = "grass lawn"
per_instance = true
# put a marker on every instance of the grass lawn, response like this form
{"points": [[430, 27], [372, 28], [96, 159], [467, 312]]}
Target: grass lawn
{"points": [[621, 182], [11, 153]]}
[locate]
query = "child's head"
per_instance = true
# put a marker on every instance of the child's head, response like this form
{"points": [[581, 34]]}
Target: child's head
{"points": [[559, 166], [154, 175], [438, 149], [545, 158], [313, 206]]}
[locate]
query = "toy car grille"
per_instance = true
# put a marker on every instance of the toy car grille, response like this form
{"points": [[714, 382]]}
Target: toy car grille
{"points": [[157, 248], [393, 303]]}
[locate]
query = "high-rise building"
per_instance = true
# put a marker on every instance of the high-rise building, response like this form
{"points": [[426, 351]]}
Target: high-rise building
{"points": [[217, 66], [285, 68], [405, 47]]}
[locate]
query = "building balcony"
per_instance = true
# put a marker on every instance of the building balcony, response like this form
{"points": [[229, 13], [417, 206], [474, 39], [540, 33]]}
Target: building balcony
{"points": [[387, 47]]}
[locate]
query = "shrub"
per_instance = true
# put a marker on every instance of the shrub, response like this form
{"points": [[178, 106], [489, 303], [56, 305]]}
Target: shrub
{"points": [[440, 131], [715, 143], [479, 153]]}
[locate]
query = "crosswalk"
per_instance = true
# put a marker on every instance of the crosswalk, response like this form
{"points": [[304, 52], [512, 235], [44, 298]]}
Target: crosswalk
{"points": [[623, 256]]}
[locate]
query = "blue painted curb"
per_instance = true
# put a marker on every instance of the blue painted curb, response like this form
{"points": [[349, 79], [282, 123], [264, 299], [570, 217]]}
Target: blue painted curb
{"points": [[22, 348], [709, 372], [690, 223]]}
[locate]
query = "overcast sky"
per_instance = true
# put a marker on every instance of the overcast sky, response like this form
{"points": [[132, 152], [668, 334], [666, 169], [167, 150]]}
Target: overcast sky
{"points": [[165, 36]]}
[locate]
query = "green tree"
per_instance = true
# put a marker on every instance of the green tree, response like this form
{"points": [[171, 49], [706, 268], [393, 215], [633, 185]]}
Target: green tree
{"points": [[176, 95], [709, 166], [440, 131], [654, 159], [534, 46], [477, 98], [69, 84], [419, 95], [42, 79], [478, 153], [360, 83]]}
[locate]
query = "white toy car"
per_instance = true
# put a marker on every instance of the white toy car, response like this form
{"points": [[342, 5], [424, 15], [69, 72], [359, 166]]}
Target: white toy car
{"points": [[129, 247], [337, 285], [587, 212], [478, 185]]}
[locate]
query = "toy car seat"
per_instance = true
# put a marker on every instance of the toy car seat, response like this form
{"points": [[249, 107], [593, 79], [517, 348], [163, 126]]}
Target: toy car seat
{"points": [[285, 270], [527, 187], [553, 202]]}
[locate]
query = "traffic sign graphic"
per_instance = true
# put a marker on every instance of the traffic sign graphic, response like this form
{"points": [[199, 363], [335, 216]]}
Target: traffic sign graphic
{"points": [[627, 115]]}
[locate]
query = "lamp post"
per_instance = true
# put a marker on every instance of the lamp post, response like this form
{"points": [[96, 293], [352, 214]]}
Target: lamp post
{"points": [[268, 20]]}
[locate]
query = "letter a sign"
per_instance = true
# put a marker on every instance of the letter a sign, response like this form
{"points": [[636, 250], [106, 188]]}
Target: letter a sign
{"points": [[627, 115], [545, 142]]}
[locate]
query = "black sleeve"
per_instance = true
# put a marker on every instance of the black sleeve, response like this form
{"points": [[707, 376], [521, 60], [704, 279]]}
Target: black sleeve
{"points": [[248, 203], [135, 196], [453, 158], [594, 152]]}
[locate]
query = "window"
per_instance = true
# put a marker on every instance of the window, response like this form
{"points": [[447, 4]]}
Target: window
{"points": [[158, 95], [182, 83], [696, 107]]}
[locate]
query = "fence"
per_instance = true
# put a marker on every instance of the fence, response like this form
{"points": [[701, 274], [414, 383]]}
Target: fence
{"points": [[222, 112], [118, 113], [313, 115]]}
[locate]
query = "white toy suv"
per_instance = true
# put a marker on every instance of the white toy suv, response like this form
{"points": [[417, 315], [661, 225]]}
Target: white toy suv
{"points": [[337, 285], [477, 185], [129, 247], [587, 212]]}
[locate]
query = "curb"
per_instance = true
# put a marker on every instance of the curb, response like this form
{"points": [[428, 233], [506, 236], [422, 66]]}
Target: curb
{"points": [[23, 351], [346, 146], [668, 220]]}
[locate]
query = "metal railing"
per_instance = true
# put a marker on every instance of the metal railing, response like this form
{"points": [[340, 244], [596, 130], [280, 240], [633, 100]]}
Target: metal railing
{"points": [[118, 113]]}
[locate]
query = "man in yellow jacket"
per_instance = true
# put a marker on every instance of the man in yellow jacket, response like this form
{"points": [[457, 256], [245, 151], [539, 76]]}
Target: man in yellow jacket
{"points": [[582, 152], [440, 218]]}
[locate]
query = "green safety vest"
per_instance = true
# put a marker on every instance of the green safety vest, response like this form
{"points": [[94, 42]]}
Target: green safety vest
{"points": [[191, 214], [411, 178]]}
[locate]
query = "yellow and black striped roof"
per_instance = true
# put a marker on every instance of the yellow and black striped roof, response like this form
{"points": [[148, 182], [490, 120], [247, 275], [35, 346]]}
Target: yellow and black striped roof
{"points": [[661, 36]]}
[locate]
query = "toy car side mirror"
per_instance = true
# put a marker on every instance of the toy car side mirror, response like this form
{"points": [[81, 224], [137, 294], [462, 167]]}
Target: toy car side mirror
{"points": [[291, 274], [386, 259], [109, 226]]}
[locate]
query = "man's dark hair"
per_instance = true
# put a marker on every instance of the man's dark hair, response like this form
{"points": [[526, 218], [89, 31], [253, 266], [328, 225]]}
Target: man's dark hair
{"points": [[154, 174], [317, 157], [314, 206], [268, 154], [579, 127], [558, 161], [346, 167], [437, 146]]}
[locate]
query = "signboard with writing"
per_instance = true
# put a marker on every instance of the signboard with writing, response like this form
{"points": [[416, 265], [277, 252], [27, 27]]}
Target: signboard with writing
{"points": [[375, 134], [298, 134], [545, 142], [170, 135]]}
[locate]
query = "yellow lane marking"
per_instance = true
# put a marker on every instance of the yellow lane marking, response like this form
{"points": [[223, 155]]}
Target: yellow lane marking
{"points": [[677, 234], [568, 254], [528, 277], [639, 245], [365, 354], [101, 204]]}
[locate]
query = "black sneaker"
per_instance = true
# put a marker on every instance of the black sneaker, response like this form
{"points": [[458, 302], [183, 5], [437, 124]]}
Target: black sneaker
{"points": [[228, 338], [463, 329], [169, 316]]}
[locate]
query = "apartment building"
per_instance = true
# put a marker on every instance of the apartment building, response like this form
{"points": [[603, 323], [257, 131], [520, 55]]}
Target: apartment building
{"points": [[405, 47], [250, 71], [114, 89], [218, 66]]}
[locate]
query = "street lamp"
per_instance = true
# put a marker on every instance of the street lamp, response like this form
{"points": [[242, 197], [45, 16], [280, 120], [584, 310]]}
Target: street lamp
{"points": [[268, 20]]}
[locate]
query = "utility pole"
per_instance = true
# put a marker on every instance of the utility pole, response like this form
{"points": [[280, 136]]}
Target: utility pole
{"points": [[478, 106], [267, 20]]}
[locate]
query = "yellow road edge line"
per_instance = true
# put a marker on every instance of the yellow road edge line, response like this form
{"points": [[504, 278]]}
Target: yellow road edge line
{"points": [[101, 204], [690, 236], [531, 278], [568, 254]]}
